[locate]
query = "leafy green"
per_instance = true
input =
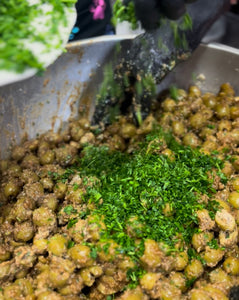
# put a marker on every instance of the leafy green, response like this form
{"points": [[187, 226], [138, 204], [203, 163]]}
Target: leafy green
{"points": [[134, 274], [213, 244], [71, 223], [109, 86], [141, 184], [93, 253], [70, 244], [174, 92], [123, 12], [69, 210], [16, 17]]}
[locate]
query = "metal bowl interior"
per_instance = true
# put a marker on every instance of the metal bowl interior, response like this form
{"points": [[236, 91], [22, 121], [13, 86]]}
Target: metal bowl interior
{"points": [[41, 103]]}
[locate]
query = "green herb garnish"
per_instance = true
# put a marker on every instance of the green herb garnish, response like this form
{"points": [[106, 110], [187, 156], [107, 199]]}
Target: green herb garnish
{"points": [[140, 185], [70, 244], [17, 26], [123, 12], [70, 210], [71, 223]]}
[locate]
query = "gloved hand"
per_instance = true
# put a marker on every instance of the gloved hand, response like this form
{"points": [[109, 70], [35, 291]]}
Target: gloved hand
{"points": [[149, 12]]}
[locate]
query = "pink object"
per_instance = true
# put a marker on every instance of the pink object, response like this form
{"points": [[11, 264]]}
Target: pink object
{"points": [[98, 9]]}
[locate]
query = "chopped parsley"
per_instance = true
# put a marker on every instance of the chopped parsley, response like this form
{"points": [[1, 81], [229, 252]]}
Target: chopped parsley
{"points": [[138, 187], [71, 223], [213, 244], [122, 12], [134, 274], [70, 244], [69, 210], [17, 30]]}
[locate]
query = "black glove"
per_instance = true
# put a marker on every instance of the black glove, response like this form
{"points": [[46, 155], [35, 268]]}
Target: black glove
{"points": [[149, 12]]}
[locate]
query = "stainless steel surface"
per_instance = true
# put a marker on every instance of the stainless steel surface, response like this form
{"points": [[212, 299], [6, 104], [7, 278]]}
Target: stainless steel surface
{"points": [[46, 102], [216, 62]]}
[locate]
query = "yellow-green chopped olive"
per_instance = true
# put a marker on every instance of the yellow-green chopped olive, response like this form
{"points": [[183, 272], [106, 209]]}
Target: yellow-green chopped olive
{"points": [[18, 152], [57, 245], [181, 94], [206, 131], [223, 111], [128, 130], [194, 269], [197, 120], [231, 266], [11, 189], [209, 145], [22, 209], [225, 220], [3, 165], [117, 143], [12, 292], [235, 162], [48, 295], [224, 125], [23, 231], [5, 269], [84, 123], [52, 138], [178, 128], [25, 286], [34, 190], [219, 275], [30, 161], [77, 133], [81, 255], [200, 240], [4, 254], [181, 260], [87, 138], [43, 216], [60, 190], [50, 201], [234, 112], [212, 256], [47, 157], [47, 183], [169, 105], [228, 89], [43, 147], [209, 100], [148, 280], [65, 155], [228, 168], [235, 183], [14, 170], [152, 254], [234, 199], [58, 277], [194, 91], [29, 176], [40, 245], [190, 139], [197, 294], [223, 204], [234, 135], [179, 280]]}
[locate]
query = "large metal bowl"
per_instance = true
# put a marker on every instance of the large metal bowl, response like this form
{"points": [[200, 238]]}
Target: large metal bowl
{"points": [[35, 105]]}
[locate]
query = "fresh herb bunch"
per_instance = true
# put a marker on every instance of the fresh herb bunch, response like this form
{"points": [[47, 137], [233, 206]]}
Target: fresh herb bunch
{"points": [[123, 12], [16, 19]]}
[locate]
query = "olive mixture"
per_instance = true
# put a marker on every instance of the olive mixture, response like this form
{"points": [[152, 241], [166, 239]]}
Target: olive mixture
{"points": [[127, 212]]}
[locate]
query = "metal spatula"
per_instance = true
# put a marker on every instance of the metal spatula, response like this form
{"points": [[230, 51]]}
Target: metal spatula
{"points": [[157, 52]]}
